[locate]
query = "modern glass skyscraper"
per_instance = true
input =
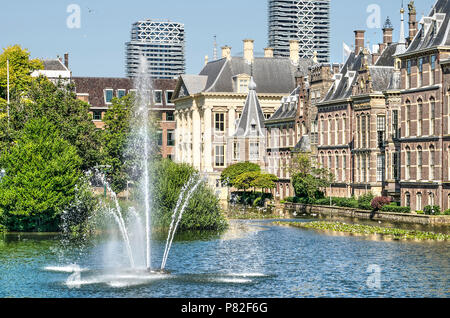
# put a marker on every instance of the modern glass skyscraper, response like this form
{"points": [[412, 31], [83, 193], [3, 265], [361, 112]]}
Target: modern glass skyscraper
{"points": [[307, 21], [162, 43]]}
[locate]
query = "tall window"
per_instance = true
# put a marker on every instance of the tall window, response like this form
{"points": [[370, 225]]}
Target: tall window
{"points": [[220, 156], [254, 151], [336, 165], [236, 151], [420, 117], [220, 122], [408, 118], [395, 166], [381, 130], [432, 116], [433, 70], [344, 166], [363, 131], [408, 74], [419, 202], [160, 137], [171, 138], [329, 161], [408, 164], [380, 168], [395, 130], [336, 129], [322, 133], [329, 131], [121, 93], [344, 128], [432, 162], [431, 199], [420, 70], [419, 163], [407, 199]]}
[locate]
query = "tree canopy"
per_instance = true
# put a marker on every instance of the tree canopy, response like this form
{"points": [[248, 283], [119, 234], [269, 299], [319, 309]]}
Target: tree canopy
{"points": [[42, 172], [230, 174]]}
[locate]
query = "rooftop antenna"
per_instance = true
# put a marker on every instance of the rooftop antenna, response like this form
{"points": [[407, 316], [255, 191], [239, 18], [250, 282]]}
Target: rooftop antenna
{"points": [[215, 47]]}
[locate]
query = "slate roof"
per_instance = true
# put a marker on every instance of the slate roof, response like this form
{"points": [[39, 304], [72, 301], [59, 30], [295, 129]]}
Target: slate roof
{"points": [[381, 77], [54, 65], [286, 110], [433, 36], [252, 115], [341, 89], [387, 58], [273, 75]]}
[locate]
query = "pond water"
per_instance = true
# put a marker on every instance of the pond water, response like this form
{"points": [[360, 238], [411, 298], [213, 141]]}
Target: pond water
{"points": [[252, 259]]}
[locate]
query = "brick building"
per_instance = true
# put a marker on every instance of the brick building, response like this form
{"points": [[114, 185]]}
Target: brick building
{"points": [[99, 92]]}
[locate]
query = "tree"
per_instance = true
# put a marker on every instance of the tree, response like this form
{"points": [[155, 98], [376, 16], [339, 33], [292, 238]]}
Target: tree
{"points": [[246, 180], [42, 174], [58, 103], [308, 180], [20, 69], [122, 142], [230, 174], [265, 181]]}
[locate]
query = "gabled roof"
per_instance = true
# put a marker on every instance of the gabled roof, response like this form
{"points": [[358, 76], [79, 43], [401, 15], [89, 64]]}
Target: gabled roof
{"points": [[251, 123], [431, 34], [381, 77]]}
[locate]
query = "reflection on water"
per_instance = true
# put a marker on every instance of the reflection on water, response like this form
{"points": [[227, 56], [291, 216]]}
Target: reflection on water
{"points": [[251, 259]]}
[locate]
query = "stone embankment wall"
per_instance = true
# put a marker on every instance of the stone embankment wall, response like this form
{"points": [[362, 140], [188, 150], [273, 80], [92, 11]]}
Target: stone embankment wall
{"points": [[378, 216]]}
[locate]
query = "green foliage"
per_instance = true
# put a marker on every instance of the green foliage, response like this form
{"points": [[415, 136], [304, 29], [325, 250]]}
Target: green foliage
{"points": [[230, 174], [432, 210], [395, 208], [252, 198], [58, 103], [20, 69], [308, 181], [120, 132], [246, 180], [447, 212], [365, 201], [42, 173], [265, 181], [203, 211]]}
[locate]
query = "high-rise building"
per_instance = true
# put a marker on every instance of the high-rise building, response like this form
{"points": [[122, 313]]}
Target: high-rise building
{"points": [[307, 21], [162, 44]]}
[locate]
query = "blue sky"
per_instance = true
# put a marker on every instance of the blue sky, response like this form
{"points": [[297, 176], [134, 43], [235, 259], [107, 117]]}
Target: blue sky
{"points": [[97, 48]]}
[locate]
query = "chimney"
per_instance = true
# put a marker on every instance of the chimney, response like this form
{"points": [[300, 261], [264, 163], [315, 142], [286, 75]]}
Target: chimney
{"points": [[359, 41], [294, 49], [268, 52], [66, 60], [412, 21], [248, 51], [226, 52], [387, 36]]}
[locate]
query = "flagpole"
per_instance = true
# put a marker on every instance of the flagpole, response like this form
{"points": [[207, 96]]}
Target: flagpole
{"points": [[7, 85]]}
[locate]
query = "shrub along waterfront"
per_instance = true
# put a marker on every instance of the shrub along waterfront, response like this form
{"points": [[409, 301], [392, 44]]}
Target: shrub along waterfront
{"points": [[393, 233]]}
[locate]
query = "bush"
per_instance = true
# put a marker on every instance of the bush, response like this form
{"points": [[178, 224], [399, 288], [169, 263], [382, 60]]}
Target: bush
{"points": [[364, 201], [203, 211], [378, 202], [395, 208], [432, 210], [447, 212]]}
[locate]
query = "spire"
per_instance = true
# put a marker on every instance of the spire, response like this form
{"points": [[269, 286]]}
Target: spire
{"points": [[402, 39], [251, 123]]}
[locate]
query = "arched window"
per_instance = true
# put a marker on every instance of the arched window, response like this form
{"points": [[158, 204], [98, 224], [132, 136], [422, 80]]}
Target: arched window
{"points": [[344, 128], [431, 199], [322, 133], [330, 161], [407, 199], [419, 163], [336, 130], [336, 166], [329, 130], [419, 117], [419, 202], [432, 116]]}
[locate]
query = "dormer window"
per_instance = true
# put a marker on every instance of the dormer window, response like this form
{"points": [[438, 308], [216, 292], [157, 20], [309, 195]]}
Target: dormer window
{"points": [[108, 95], [242, 82]]}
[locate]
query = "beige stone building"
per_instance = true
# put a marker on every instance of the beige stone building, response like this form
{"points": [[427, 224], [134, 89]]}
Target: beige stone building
{"points": [[208, 106]]}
